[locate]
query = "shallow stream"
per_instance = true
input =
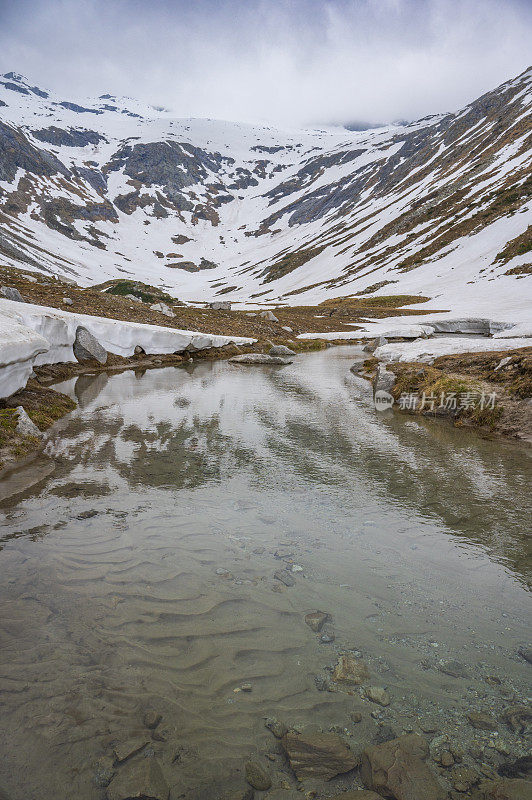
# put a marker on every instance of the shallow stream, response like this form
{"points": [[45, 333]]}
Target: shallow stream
{"points": [[138, 573]]}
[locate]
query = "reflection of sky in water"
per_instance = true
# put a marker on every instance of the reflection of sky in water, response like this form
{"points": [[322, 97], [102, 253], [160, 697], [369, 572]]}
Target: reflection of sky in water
{"points": [[406, 531], [307, 427]]}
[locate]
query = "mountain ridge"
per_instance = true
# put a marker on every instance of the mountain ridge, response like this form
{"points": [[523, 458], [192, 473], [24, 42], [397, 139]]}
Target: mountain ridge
{"points": [[110, 187]]}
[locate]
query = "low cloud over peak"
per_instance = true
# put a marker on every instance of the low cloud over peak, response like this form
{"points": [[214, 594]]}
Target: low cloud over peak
{"points": [[294, 62]]}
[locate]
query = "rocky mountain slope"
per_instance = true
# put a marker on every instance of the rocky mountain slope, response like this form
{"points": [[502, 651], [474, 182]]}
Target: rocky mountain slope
{"points": [[109, 188]]}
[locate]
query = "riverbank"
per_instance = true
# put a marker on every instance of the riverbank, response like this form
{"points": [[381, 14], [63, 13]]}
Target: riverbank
{"points": [[155, 330], [488, 391]]}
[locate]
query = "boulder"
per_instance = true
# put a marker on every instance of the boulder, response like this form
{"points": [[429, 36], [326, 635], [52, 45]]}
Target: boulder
{"points": [[258, 358], [350, 670], [25, 426], [257, 776], [281, 350], [220, 305], [142, 778], [384, 381], [269, 316], [67, 301], [371, 346], [162, 308], [318, 755], [396, 769], [87, 347], [11, 294], [358, 366]]}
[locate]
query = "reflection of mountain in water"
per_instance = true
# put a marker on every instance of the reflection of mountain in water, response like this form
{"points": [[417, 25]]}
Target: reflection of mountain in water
{"points": [[301, 426]]}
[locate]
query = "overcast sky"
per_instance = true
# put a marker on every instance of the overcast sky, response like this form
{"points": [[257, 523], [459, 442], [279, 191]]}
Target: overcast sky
{"points": [[289, 62]]}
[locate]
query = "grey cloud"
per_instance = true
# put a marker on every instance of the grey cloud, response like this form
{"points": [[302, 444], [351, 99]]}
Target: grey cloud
{"points": [[289, 63]]}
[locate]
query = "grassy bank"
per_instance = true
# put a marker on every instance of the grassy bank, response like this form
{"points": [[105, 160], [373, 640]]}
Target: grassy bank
{"points": [[505, 410]]}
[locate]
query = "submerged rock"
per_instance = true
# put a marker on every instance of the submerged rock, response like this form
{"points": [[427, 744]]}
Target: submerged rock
{"points": [[350, 670], [518, 717], [87, 347], [285, 577], [151, 719], [453, 668], [141, 779], [378, 695], [481, 721], [258, 358], [316, 620], [278, 728], [104, 772], [397, 769], [131, 747], [526, 653], [257, 776], [318, 755], [506, 789]]}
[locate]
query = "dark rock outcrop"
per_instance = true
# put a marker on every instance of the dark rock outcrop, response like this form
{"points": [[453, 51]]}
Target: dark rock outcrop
{"points": [[74, 137]]}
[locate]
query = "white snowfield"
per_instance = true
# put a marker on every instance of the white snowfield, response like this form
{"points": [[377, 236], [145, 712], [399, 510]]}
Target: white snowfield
{"points": [[32, 335], [288, 170], [427, 350]]}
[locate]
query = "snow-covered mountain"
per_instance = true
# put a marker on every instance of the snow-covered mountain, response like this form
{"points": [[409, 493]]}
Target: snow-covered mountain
{"points": [[110, 187]]}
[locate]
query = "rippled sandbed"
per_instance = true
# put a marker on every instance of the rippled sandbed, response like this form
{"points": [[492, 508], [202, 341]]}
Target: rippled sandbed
{"points": [[138, 579]]}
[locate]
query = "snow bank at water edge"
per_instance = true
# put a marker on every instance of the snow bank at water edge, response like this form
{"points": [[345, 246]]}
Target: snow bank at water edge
{"points": [[53, 331], [19, 346], [426, 350]]}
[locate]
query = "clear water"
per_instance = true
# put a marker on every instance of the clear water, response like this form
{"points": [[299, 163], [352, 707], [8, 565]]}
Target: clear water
{"points": [[412, 535]]}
